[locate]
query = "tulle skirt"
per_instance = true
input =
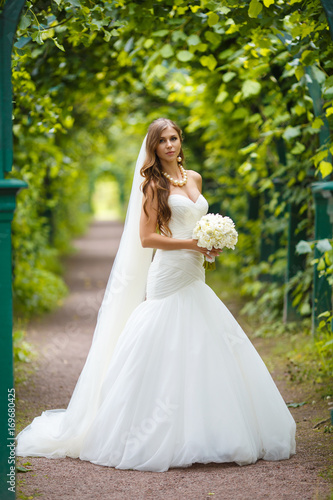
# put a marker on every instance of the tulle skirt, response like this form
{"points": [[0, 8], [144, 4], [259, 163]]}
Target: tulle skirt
{"points": [[184, 385]]}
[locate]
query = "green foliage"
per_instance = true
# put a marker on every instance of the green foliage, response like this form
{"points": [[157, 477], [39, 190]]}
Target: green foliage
{"points": [[60, 145], [22, 349], [301, 284], [312, 359], [237, 77], [38, 290]]}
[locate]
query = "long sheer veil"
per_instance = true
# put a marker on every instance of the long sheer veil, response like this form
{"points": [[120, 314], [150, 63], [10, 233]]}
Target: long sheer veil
{"points": [[59, 433]]}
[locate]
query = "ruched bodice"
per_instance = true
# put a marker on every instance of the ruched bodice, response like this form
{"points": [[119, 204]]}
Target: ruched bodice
{"points": [[172, 270]]}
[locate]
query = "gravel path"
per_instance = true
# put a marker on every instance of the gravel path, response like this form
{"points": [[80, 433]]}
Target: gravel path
{"points": [[63, 339]]}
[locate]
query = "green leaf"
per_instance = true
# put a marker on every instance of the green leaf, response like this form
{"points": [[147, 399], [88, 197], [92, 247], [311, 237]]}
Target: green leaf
{"points": [[22, 41], [317, 123], [241, 114], [296, 405], [298, 148], [248, 149], [184, 55], [318, 74], [268, 3], [222, 96], [148, 43], [321, 264], [209, 61], [291, 132], [160, 33], [255, 8], [24, 22], [250, 88], [325, 314], [318, 157], [299, 72], [328, 92], [61, 47], [97, 24], [213, 19], [37, 37], [303, 247], [19, 468], [212, 37], [325, 168], [178, 35], [180, 78], [167, 51], [202, 47], [193, 40], [228, 76], [160, 71], [305, 309]]}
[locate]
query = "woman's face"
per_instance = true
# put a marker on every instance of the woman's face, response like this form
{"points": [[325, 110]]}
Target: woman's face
{"points": [[169, 145]]}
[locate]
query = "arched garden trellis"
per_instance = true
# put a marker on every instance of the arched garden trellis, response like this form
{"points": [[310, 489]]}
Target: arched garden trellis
{"points": [[9, 16]]}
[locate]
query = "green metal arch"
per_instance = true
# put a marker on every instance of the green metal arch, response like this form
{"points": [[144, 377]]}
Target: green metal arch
{"points": [[9, 18]]}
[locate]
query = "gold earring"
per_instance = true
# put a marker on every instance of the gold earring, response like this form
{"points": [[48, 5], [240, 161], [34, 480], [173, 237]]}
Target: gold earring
{"points": [[179, 159]]}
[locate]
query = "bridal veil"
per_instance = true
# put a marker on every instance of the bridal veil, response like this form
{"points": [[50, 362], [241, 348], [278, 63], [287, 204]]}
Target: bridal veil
{"points": [[61, 431]]}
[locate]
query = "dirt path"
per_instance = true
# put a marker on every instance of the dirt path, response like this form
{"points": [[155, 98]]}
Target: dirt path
{"points": [[63, 339]]}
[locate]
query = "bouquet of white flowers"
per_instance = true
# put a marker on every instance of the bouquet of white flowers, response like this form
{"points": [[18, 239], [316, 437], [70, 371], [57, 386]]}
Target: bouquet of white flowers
{"points": [[215, 231]]}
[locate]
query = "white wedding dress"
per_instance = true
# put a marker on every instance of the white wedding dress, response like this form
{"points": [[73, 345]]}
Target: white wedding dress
{"points": [[184, 383]]}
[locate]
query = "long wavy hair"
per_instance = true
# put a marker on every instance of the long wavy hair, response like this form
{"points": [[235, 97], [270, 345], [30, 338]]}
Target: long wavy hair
{"points": [[152, 173]]}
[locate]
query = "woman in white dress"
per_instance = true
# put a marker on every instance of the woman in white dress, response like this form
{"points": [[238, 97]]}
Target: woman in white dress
{"points": [[171, 378]]}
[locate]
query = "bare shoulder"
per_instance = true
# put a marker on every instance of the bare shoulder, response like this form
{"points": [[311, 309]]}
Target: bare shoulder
{"points": [[192, 174]]}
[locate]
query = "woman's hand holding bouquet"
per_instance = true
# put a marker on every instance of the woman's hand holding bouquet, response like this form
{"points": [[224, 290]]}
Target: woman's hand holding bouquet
{"points": [[213, 231]]}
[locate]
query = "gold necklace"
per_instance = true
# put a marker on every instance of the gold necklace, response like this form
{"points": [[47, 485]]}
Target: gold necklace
{"points": [[173, 181]]}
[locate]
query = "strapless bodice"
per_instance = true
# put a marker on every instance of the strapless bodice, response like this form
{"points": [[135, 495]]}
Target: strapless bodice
{"points": [[185, 214]]}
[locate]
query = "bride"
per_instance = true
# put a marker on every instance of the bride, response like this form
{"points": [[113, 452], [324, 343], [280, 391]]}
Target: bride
{"points": [[171, 378]]}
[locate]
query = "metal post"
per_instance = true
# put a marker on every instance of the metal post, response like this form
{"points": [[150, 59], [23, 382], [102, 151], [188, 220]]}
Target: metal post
{"points": [[253, 204], [9, 17], [8, 191], [328, 8], [323, 226], [322, 291], [8, 22], [315, 94], [295, 262], [271, 241]]}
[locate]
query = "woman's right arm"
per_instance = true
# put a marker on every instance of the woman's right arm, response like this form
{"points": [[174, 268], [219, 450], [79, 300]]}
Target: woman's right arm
{"points": [[150, 238]]}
